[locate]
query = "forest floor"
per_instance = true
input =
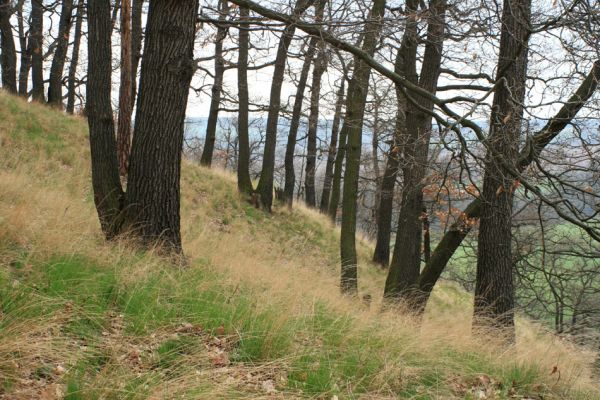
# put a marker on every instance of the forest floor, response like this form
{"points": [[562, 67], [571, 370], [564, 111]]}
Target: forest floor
{"points": [[255, 313]]}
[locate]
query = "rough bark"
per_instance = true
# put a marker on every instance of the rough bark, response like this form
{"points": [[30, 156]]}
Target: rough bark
{"points": [[217, 88], [108, 194], [355, 108], [331, 153], [290, 173], [71, 79], [494, 289], [153, 193], [381, 254], [403, 276], [265, 183], [36, 38], [243, 166], [125, 90], [60, 55], [406, 53], [8, 60], [320, 65], [25, 46]]}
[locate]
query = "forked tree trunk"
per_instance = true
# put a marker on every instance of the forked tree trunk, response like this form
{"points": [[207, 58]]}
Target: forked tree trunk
{"points": [[217, 88], [108, 194], [71, 84], [494, 289], [331, 153], [402, 66], [243, 167], [265, 184], [403, 276], [153, 194], [60, 54], [355, 109], [36, 37], [125, 90], [8, 60]]}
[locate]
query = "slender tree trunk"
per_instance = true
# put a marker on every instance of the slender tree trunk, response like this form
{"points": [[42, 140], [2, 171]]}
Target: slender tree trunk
{"points": [[426, 236], [331, 153], [136, 44], [153, 194], [36, 38], [320, 65], [8, 60], [375, 157], [25, 45], [336, 184], [290, 173], [265, 184], [125, 90], [60, 55], [494, 290], [71, 84], [403, 276], [355, 108], [217, 88], [108, 195], [243, 167]]}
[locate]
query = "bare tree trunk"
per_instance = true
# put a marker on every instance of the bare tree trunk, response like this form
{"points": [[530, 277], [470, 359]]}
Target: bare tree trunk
{"points": [[426, 236], [36, 38], [153, 195], [290, 173], [243, 167], [336, 184], [375, 157], [381, 255], [217, 88], [136, 44], [60, 55], [71, 84], [355, 108], [265, 184], [403, 276], [108, 194], [125, 90], [494, 290], [331, 153], [320, 65], [8, 60], [25, 45]]}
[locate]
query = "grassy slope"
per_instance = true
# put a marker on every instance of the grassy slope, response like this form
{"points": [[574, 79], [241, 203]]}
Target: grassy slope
{"points": [[256, 314]]}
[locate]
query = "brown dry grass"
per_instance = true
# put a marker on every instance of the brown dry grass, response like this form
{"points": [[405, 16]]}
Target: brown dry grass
{"points": [[286, 261]]}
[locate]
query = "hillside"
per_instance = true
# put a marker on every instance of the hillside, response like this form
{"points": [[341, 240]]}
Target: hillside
{"points": [[255, 313]]}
